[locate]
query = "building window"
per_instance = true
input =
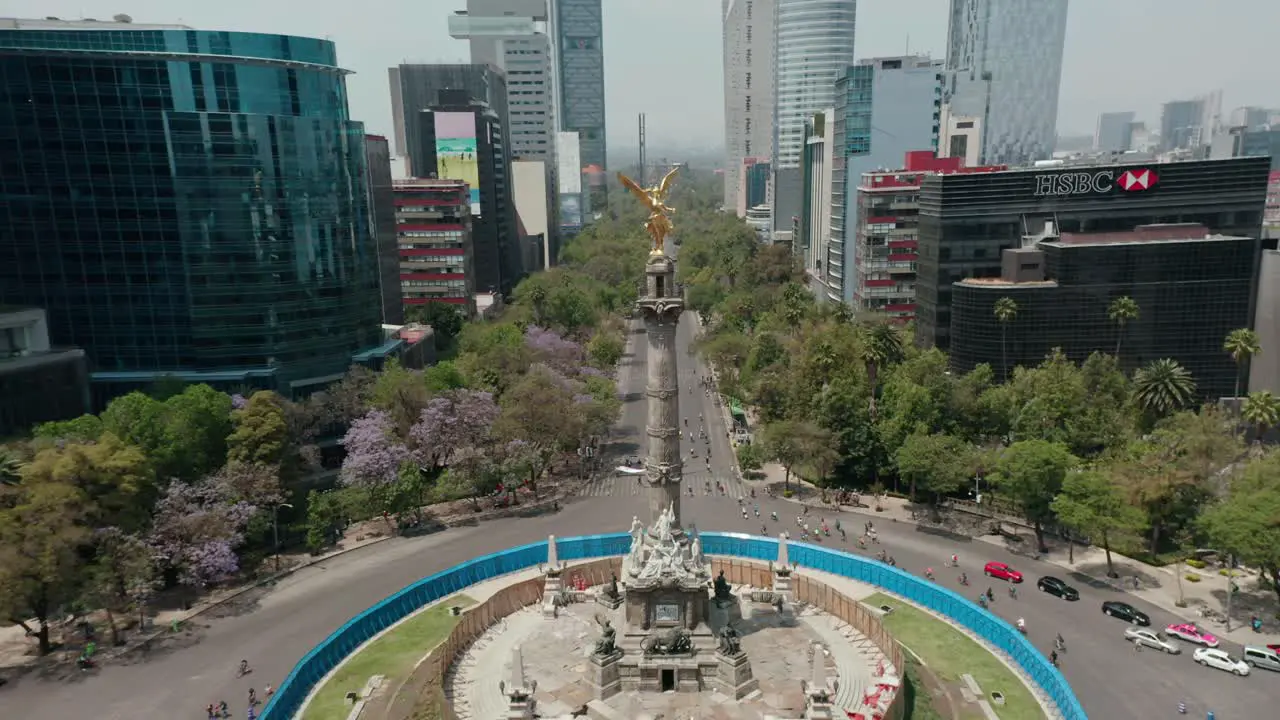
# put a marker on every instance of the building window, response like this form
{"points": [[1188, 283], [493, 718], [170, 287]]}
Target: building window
{"points": [[748, 103], [748, 81]]}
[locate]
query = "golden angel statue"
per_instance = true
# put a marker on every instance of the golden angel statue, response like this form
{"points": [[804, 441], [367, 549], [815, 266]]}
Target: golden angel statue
{"points": [[655, 199]]}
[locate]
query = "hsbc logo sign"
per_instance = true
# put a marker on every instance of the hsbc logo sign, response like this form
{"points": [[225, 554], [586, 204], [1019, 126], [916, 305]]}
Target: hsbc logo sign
{"points": [[1101, 182], [1136, 180]]}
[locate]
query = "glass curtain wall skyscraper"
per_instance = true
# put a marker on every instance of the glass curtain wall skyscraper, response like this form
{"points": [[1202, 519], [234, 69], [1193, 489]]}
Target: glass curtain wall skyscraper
{"points": [[186, 203], [578, 33], [1004, 59], [814, 45]]}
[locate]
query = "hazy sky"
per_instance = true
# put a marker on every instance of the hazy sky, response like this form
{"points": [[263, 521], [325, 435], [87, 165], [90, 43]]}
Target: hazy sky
{"points": [[1120, 54]]}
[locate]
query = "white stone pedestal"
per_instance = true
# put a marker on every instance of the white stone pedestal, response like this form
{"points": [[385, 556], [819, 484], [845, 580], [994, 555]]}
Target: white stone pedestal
{"points": [[734, 675], [603, 675]]}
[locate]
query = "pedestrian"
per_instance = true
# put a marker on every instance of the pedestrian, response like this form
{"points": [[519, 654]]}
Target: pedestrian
{"points": [[1053, 658]]}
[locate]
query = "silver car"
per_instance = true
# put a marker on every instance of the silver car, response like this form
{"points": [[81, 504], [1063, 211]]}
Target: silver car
{"points": [[1152, 639]]}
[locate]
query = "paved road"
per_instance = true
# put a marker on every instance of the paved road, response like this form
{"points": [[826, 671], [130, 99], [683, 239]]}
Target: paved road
{"points": [[1111, 679]]}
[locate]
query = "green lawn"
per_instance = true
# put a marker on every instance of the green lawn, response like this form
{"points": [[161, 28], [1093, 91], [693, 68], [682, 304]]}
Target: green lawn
{"points": [[950, 653], [393, 654]]}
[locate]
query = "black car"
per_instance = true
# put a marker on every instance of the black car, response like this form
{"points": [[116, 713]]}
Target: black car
{"points": [[1126, 612], [1054, 586]]}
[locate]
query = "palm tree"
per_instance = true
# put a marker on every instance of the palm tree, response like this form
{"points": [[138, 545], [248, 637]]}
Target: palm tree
{"points": [[1163, 386], [881, 346], [1261, 410], [1242, 344], [1005, 311], [1121, 311]]}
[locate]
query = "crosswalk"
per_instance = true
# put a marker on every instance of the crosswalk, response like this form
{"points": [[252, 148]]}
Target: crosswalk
{"points": [[621, 485]]}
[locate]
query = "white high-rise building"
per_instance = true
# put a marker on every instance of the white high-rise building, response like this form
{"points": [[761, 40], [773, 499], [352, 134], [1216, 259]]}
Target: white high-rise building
{"points": [[747, 31], [814, 45], [512, 36], [1004, 62]]}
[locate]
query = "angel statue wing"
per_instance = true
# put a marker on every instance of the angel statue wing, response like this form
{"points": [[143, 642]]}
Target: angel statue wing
{"points": [[665, 186], [635, 189]]}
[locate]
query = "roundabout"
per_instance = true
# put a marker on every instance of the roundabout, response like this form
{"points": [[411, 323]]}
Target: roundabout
{"points": [[858, 686]]}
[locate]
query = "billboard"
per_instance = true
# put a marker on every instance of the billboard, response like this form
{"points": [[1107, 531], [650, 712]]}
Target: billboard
{"points": [[570, 211], [456, 151]]}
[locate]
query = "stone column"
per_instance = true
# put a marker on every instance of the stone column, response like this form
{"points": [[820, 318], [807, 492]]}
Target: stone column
{"points": [[819, 691], [661, 307], [518, 690]]}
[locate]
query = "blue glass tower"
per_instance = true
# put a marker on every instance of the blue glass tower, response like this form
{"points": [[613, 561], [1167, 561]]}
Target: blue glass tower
{"points": [[186, 203]]}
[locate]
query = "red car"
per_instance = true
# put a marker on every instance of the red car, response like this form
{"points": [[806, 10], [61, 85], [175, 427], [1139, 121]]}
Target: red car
{"points": [[1001, 571]]}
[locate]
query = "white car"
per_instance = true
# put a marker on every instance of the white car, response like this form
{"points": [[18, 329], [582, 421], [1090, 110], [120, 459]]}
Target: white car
{"points": [[1212, 657], [1152, 639]]}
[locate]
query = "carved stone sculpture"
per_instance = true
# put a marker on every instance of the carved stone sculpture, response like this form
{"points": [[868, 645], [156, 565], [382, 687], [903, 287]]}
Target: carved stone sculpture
{"points": [[611, 591], [723, 593], [675, 641], [730, 640], [607, 644]]}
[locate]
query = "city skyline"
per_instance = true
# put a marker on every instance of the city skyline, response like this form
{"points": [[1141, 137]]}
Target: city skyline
{"points": [[1102, 41]]}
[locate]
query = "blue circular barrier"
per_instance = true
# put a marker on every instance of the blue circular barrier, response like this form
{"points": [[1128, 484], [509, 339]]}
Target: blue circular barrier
{"points": [[323, 658]]}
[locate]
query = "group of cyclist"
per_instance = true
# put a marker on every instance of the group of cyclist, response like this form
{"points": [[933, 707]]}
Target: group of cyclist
{"points": [[220, 710]]}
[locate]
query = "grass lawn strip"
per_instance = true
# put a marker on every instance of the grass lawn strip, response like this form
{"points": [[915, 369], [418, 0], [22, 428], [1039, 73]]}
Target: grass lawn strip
{"points": [[393, 654], [950, 653]]}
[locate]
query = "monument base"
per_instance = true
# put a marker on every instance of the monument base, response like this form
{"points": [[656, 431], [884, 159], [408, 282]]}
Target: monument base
{"points": [[724, 612], [612, 603], [691, 673], [604, 678], [735, 677]]}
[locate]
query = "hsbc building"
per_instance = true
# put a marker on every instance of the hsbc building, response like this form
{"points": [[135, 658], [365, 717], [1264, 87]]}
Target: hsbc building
{"points": [[968, 220]]}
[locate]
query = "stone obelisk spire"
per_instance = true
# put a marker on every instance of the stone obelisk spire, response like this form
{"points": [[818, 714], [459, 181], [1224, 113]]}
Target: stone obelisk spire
{"points": [[661, 306]]}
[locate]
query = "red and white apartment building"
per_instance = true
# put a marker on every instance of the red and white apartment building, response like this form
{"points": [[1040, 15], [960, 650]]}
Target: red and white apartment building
{"points": [[886, 235], [433, 232]]}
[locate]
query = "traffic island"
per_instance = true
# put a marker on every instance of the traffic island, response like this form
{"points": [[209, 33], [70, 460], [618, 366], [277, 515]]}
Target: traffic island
{"points": [[951, 655], [391, 655]]}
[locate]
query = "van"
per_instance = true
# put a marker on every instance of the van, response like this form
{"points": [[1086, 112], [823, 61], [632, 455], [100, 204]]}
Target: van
{"points": [[1261, 657]]}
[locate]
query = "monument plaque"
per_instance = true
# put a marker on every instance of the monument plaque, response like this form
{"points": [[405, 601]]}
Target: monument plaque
{"points": [[666, 614]]}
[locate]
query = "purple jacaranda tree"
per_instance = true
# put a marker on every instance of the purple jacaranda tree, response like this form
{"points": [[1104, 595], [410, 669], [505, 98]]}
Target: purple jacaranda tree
{"points": [[196, 529], [550, 348], [374, 453], [455, 420]]}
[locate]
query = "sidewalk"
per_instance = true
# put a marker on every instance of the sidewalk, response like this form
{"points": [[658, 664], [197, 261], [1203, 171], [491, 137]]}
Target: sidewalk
{"points": [[1085, 564]]}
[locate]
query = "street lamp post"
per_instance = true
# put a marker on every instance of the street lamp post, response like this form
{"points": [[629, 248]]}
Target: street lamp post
{"points": [[275, 530]]}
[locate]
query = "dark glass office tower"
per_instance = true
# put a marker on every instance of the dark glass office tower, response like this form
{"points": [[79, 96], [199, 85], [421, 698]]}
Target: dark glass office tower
{"points": [[1192, 289], [186, 203], [968, 220]]}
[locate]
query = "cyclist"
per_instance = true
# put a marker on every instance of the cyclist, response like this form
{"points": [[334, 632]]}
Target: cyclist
{"points": [[955, 560], [964, 579], [1013, 591], [244, 668], [1022, 626], [1059, 643], [982, 600], [928, 573]]}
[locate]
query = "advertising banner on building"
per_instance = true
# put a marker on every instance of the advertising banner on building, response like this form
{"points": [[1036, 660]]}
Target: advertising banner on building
{"points": [[456, 151], [570, 212]]}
